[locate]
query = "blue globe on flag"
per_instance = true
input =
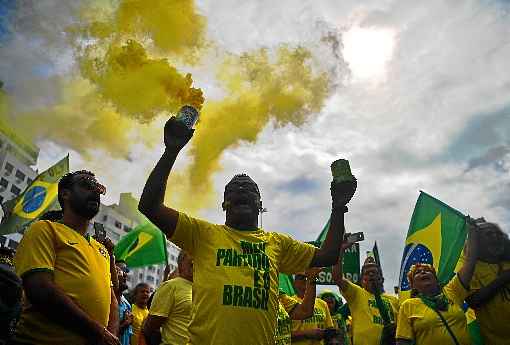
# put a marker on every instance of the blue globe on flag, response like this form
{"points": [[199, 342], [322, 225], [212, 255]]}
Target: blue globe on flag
{"points": [[34, 198], [413, 253]]}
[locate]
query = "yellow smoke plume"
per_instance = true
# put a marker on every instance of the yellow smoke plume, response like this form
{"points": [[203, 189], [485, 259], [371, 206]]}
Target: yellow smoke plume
{"points": [[79, 120], [259, 87], [171, 27], [137, 85]]}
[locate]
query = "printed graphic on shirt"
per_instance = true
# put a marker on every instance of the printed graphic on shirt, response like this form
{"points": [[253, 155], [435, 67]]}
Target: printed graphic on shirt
{"points": [[376, 318], [253, 254]]}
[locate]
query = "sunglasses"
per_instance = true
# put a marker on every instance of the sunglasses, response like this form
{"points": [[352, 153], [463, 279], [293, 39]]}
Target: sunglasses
{"points": [[300, 277], [90, 183]]}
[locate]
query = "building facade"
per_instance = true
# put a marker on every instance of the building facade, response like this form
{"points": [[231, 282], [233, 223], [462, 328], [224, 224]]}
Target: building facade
{"points": [[17, 157], [118, 220]]}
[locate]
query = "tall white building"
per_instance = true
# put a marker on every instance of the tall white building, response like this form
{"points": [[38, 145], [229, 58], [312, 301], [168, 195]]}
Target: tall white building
{"points": [[17, 156], [118, 220]]}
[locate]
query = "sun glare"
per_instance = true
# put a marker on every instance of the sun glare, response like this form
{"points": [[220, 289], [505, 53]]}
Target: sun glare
{"points": [[367, 51]]}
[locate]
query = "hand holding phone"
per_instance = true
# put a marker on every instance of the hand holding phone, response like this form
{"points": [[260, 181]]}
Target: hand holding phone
{"points": [[99, 232], [356, 237]]}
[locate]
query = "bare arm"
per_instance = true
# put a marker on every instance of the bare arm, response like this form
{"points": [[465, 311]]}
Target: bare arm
{"points": [[468, 268], [328, 254], [341, 194], [337, 271], [49, 300], [151, 203], [152, 199], [305, 310], [113, 319], [151, 329]]}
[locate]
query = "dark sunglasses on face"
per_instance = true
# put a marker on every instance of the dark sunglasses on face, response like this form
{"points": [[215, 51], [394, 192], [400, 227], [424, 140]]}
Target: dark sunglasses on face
{"points": [[299, 277], [90, 183]]}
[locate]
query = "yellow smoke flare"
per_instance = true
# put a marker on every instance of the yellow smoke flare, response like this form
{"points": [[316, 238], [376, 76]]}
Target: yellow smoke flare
{"points": [[259, 88], [137, 85], [170, 27], [80, 121], [174, 26]]}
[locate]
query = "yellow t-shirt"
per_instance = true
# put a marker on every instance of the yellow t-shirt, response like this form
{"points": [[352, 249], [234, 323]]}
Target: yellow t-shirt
{"points": [[367, 323], [81, 269], [284, 327], [321, 319], [173, 301], [418, 322], [235, 280], [139, 316], [494, 316]]}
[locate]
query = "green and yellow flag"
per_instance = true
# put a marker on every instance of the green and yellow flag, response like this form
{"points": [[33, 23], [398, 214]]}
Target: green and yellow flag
{"points": [[38, 198], [143, 246], [436, 236], [350, 262]]}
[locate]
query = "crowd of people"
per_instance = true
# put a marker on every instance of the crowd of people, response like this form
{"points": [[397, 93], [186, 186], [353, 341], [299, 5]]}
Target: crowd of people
{"points": [[226, 287]]}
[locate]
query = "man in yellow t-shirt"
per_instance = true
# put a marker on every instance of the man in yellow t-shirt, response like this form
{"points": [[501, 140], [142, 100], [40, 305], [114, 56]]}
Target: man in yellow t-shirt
{"points": [[171, 306], [312, 330], [490, 286], [367, 321], [66, 275], [236, 265]]}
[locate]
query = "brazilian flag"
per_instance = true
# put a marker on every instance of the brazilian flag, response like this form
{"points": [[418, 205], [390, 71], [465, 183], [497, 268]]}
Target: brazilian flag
{"points": [[143, 246], [38, 198], [286, 284], [436, 236]]}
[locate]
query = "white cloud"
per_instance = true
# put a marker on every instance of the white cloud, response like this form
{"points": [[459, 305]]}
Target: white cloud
{"points": [[412, 130]]}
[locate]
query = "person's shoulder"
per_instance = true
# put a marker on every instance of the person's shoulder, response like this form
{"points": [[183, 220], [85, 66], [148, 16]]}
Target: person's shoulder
{"points": [[185, 218], [391, 297], [42, 225], [321, 302], [412, 302]]}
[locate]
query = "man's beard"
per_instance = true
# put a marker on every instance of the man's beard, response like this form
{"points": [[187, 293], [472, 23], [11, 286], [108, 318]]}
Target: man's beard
{"points": [[81, 207]]}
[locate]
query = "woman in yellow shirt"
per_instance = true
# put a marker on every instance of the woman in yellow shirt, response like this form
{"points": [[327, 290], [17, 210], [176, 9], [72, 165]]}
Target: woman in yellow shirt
{"points": [[139, 310], [434, 315]]}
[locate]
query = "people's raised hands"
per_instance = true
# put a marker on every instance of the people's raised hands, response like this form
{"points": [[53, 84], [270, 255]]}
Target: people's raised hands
{"points": [[176, 134]]}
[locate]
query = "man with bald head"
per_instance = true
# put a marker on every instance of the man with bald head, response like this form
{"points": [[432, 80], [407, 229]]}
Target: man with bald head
{"points": [[236, 264], [490, 285]]}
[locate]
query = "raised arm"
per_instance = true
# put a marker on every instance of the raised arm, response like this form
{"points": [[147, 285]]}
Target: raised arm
{"points": [[341, 194], [151, 203], [472, 251], [337, 271], [50, 301], [305, 310]]}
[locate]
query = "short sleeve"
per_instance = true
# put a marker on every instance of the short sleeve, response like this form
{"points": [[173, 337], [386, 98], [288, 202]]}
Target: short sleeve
{"points": [[395, 303], [328, 322], [455, 291], [189, 232], [163, 301], [404, 327], [36, 251], [296, 256], [288, 302], [351, 291]]}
